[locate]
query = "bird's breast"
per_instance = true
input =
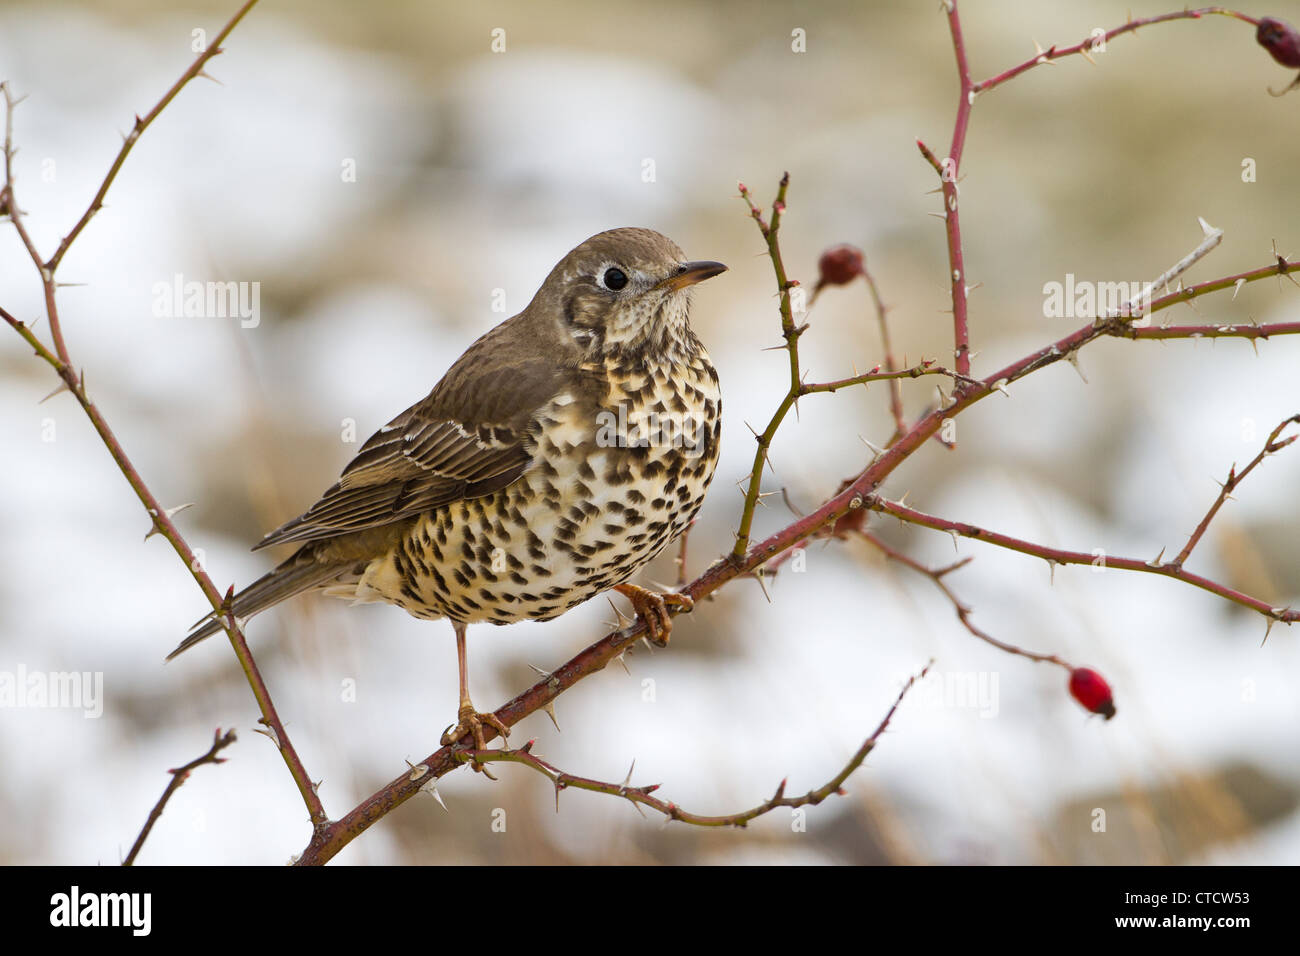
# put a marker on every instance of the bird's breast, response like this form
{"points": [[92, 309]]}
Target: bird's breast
{"points": [[618, 472]]}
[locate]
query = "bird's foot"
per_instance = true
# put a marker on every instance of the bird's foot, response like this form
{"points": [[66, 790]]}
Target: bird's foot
{"points": [[470, 723], [652, 607]]}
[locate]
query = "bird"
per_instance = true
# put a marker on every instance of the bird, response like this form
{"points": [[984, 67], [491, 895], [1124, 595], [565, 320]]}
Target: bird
{"points": [[564, 450]]}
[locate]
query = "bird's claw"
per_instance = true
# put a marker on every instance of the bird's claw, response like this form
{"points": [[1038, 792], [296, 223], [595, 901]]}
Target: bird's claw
{"points": [[470, 723], [652, 607]]}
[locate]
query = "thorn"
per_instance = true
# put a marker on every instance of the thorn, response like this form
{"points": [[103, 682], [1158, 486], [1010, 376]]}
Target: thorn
{"points": [[878, 451], [1051, 572], [758, 576], [621, 620], [620, 659], [63, 387], [550, 712], [1001, 386], [1206, 229], [548, 675], [628, 779], [955, 536], [1157, 563], [1041, 55], [432, 791], [1073, 359], [169, 512], [208, 76], [1083, 52]]}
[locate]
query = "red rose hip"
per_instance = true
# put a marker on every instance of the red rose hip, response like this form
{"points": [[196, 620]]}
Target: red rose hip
{"points": [[839, 265], [1091, 690]]}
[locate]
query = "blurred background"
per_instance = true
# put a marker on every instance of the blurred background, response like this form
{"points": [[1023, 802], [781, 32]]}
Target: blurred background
{"points": [[386, 178]]}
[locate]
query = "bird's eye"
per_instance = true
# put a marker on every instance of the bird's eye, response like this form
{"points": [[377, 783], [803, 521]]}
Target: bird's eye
{"points": [[614, 279]]}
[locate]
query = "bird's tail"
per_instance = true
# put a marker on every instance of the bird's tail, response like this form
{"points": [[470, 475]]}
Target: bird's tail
{"points": [[300, 573]]}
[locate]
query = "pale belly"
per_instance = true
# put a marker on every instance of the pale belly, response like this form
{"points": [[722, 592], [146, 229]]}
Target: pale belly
{"points": [[588, 516]]}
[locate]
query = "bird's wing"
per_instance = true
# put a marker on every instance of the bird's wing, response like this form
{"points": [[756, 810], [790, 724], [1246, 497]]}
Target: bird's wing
{"points": [[471, 436]]}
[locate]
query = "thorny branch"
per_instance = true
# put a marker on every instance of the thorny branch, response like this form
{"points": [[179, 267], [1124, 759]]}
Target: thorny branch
{"points": [[140, 125], [1096, 43], [790, 332], [1272, 446], [964, 611], [798, 388], [179, 775], [948, 179], [75, 383], [890, 363], [1059, 556], [642, 796]]}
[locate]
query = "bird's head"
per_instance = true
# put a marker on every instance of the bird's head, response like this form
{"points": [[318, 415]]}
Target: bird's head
{"points": [[624, 290]]}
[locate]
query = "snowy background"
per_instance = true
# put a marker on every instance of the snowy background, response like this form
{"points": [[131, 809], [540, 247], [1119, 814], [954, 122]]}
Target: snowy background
{"points": [[476, 171]]}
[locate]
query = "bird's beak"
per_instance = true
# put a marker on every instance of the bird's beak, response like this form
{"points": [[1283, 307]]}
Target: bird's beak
{"points": [[689, 273]]}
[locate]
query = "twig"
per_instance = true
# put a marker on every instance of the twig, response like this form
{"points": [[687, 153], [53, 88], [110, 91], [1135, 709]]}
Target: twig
{"points": [[948, 180], [1091, 43], [963, 610], [641, 796], [790, 332], [891, 364], [1251, 332], [140, 125], [74, 382], [1280, 267], [1271, 446], [924, 367], [1128, 310], [179, 775], [1059, 556]]}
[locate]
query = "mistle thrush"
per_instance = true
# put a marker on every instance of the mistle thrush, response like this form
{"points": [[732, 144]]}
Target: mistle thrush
{"points": [[563, 451]]}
